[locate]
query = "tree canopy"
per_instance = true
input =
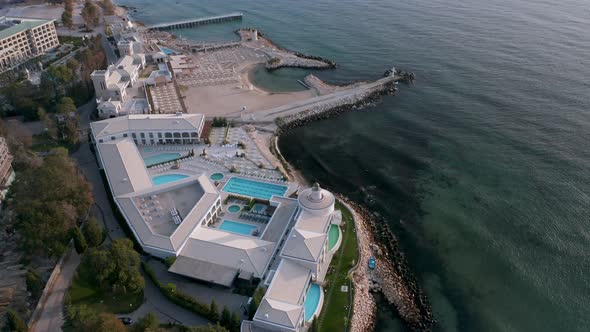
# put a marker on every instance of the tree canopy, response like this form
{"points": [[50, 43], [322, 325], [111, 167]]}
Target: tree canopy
{"points": [[115, 268], [90, 14], [93, 232], [48, 201], [83, 318]]}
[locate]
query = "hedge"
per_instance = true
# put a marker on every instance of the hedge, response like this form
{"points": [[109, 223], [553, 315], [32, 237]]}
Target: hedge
{"points": [[179, 298]]}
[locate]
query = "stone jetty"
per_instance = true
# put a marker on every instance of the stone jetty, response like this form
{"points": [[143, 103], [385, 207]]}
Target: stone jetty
{"points": [[279, 57], [356, 100]]}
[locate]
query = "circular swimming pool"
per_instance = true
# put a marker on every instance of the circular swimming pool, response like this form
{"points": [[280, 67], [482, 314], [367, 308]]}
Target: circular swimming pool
{"points": [[233, 208], [216, 176]]}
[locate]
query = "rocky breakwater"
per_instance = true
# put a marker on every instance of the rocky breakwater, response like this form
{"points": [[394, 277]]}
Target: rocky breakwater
{"points": [[396, 281], [364, 307], [280, 57], [332, 108]]}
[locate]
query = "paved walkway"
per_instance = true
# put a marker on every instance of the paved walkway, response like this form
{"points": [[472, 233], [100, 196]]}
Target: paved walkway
{"points": [[51, 315]]}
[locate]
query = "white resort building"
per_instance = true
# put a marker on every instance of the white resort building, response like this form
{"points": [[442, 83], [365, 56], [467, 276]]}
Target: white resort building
{"points": [[22, 39], [223, 228]]}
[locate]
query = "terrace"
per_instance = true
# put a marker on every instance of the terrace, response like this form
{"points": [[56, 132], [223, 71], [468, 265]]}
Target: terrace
{"points": [[244, 217]]}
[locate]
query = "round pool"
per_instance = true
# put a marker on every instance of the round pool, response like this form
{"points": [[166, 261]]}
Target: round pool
{"points": [[233, 208], [216, 176]]}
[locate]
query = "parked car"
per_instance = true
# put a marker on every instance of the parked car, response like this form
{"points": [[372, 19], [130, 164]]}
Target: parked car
{"points": [[126, 320], [372, 263]]}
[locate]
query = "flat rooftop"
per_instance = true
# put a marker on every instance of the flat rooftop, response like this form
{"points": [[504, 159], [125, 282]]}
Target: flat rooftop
{"points": [[11, 25]]}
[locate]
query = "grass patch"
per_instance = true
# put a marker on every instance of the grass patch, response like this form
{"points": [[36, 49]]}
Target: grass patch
{"points": [[76, 41], [334, 316], [83, 291]]}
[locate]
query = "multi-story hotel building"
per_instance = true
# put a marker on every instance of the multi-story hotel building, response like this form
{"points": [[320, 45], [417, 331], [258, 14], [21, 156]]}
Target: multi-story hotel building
{"points": [[22, 39]]}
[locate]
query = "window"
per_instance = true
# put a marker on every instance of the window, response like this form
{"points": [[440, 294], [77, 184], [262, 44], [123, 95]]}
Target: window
{"points": [[159, 135], [151, 135], [124, 135], [143, 141], [100, 141], [133, 135], [142, 135], [113, 138]]}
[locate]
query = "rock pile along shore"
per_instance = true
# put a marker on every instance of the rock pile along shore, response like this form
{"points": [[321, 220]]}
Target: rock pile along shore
{"points": [[398, 284], [326, 111]]}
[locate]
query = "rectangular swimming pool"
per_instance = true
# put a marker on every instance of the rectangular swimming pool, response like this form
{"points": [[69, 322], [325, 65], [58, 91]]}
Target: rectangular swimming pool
{"points": [[253, 188], [237, 227], [161, 158]]}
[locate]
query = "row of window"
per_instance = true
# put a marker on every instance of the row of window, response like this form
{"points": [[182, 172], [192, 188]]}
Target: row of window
{"points": [[166, 135]]}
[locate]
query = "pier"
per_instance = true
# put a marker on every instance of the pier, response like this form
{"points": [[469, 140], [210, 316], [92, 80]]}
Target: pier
{"points": [[191, 23], [320, 104]]}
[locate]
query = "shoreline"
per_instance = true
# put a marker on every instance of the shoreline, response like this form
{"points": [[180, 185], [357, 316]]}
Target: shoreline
{"points": [[392, 276]]}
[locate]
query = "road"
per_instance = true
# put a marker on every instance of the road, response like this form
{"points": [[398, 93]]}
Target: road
{"points": [[51, 313]]}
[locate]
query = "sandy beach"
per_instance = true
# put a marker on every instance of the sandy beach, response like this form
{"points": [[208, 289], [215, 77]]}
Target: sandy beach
{"points": [[229, 99]]}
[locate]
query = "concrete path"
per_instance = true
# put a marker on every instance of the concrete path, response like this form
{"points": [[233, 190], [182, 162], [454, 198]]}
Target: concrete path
{"points": [[51, 315]]}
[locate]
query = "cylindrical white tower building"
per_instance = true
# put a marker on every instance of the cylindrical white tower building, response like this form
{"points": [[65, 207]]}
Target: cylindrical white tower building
{"points": [[316, 200]]}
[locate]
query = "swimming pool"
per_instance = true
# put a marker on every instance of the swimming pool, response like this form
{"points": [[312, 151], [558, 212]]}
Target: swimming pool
{"points": [[312, 300], [333, 236], [166, 178], [234, 208], [258, 208], [161, 158], [237, 227], [253, 188], [167, 51], [216, 176]]}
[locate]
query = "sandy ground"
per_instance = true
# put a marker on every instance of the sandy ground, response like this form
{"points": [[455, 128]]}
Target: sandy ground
{"points": [[49, 12], [228, 100]]}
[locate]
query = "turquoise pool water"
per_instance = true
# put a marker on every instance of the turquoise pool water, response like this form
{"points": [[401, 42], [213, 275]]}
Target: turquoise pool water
{"points": [[163, 179], [161, 158], [216, 176], [233, 208], [333, 235], [167, 51], [253, 188], [237, 227], [311, 301], [258, 208]]}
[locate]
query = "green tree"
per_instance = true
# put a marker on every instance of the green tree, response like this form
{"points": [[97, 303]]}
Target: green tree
{"points": [[73, 64], [14, 322], [61, 74], [256, 299], [116, 268], [90, 14], [79, 241], [48, 201], [66, 106], [225, 319], [213, 312], [66, 19], [93, 232], [236, 322], [110, 323], [82, 318], [34, 284], [147, 323]]}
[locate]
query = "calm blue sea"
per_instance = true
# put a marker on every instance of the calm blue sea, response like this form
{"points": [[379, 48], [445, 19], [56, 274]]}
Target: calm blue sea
{"points": [[481, 167]]}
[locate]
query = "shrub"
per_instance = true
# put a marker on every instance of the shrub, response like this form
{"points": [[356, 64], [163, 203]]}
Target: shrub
{"points": [[79, 241], [34, 284], [14, 322]]}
